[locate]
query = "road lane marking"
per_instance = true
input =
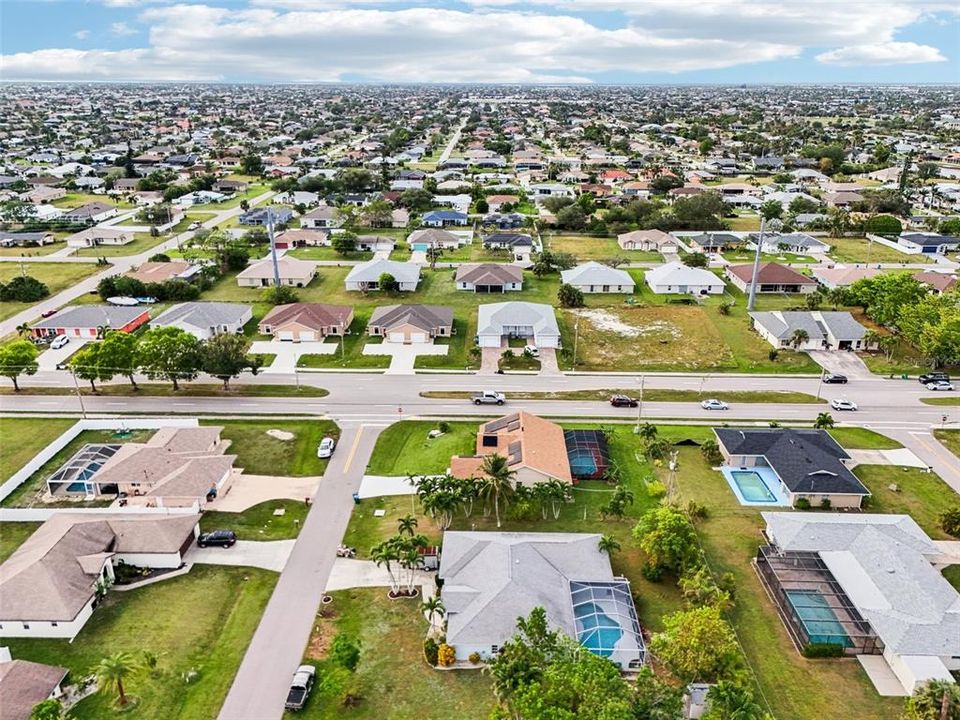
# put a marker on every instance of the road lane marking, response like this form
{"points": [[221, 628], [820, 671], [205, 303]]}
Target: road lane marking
{"points": [[353, 450]]}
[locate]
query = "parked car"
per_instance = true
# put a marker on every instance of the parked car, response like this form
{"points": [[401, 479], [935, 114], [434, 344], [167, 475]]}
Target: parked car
{"points": [[300, 687], [940, 385], [933, 377], [623, 401], [326, 447], [714, 404], [488, 397], [834, 379], [843, 404], [532, 350], [195, 225], [59, 341], [220, 538]]}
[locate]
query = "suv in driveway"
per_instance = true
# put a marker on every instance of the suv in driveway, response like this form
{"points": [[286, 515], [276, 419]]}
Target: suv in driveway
{"points": [[220, 538]]}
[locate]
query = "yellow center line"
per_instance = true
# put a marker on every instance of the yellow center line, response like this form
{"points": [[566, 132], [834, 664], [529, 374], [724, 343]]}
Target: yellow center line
{"points": [[353, 450], [935, 448]]}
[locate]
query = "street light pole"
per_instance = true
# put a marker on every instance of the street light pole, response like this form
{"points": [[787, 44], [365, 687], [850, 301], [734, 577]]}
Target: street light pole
{"points": [[576, 339], [640, 404], [756, 266], [820, 384], [76, 386]]}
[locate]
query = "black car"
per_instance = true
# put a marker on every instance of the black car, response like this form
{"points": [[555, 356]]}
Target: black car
{"points": [[622, 401], [222, 538], [933, 377], [833, 379]]}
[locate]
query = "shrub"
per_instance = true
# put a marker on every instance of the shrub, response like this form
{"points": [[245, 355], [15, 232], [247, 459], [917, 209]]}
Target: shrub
{"points": [[569, 296], [345, 651], [825, 503], [696, 511], [950, 521], [430, 651], [773, 355], [651, 573], [474, 657], [656, 489], [446, 655], [443, 426], [725, 309], [822, 650], [802, 504], [280, 295], [23, 288]]}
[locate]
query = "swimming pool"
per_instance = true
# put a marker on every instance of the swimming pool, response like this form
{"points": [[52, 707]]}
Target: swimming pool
{"points": [[752, 487], [595, 630], [817, 618]]}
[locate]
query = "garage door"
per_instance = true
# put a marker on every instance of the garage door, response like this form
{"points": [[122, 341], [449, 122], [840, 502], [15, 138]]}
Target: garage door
{"points": [[418, 337], [285, 335], [396, 337], [307, 336]]}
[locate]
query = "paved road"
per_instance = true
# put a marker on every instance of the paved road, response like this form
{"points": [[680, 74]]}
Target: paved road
{"points": [[260, 686], [118, 265], [452, 144]]}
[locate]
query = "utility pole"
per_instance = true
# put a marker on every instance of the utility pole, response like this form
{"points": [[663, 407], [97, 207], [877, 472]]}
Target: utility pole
{"points": [[639, 406], [756, 266], [576, 339], [273, 248], [76, 386]]}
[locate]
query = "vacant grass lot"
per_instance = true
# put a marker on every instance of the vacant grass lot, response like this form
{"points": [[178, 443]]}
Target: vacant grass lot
{"points": [[259, 522], [585, 247], [142, 241], [56, 276], [859, 250], [261, 454], [393, 680], [76, 199], [405, 448], [853, 438], [922, 495], [200, 622]]}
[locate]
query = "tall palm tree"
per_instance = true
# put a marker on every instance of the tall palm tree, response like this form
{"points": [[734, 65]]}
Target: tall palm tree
{"points": [[23, 329], [432, 606], [609, 545], [112, 671], [498, 481], [386, 554], [407, 525], [799, 337]]}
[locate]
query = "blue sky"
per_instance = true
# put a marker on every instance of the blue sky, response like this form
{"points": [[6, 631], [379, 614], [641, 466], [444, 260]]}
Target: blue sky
{"points": [[608, 41]]}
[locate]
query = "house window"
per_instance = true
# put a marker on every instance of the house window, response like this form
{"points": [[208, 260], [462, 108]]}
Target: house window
{"points": [[489, 441], [443, 331], [494, 649], [54, 623], [26, 626]]}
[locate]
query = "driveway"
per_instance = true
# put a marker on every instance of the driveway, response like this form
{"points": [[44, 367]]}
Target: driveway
{"points": [[49, 359], [403, 357], [288, 353], [245, 491], [841, 362], [349, 573], [490, 360], [548, 362], [246, 553]]}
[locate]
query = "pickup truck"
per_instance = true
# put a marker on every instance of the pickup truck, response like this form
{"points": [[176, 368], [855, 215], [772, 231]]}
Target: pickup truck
{"points": [[300, 687], [488, 397]]}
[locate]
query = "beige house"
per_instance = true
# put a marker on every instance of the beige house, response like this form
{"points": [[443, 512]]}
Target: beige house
{"points": [[158, 272], [411, 324], [648, 240], [96, 236], [293, 272], [306, 322]]}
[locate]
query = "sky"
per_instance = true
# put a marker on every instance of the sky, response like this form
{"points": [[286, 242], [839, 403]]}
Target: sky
{"points": [[482, 41]]}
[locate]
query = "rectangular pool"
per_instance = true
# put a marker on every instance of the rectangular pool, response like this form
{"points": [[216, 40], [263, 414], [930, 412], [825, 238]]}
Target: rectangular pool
{"points": [[752, 487], [818, 618], [755, 485]]}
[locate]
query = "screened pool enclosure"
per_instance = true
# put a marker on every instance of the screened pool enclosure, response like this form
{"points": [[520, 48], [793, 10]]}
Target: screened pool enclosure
{"points": [[606, 622]]}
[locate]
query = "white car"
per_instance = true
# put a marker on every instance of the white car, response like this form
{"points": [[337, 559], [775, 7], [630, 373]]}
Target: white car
{"points": [[195, 225], [714, 404], [532, 350], [325, 448], [841, 404], [940, 385], [59, 342]]}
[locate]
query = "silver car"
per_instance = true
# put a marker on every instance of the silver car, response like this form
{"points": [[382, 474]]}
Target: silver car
{"points": [[939, 385], [842, 404], [326, 447], [714, 404]]}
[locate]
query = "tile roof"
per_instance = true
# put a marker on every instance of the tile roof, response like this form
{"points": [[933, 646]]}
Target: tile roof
{"points": [[311, 315], [425, 317], [771, 273]]}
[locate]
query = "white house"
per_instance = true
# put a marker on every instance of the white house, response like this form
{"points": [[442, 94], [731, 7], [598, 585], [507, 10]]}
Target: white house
{"points": [[650, 240], [293, 272], [824, 330], [366, 276], [323, 216], [203, 320], [489, 277], [796, 243], [675, 277], [96, 236], [535, 321], [594, 277]]}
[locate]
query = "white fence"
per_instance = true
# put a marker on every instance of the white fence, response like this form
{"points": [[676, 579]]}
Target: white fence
{"points": [[21, 476], [892, 244], [41, 514]]}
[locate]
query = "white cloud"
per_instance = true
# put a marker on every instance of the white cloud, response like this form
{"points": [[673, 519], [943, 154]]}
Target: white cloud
{"points": [[121, 29], [81, 34], [889, 53]]}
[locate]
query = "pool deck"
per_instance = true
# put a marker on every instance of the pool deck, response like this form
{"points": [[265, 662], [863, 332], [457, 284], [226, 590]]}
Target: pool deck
{"points": [[769, 479]]}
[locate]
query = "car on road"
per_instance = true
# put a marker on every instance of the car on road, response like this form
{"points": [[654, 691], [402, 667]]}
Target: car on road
{"points": [[326, 447], [300, 687], [714, 404], [531, 350], [488, 397], [939, 385], [195, 225], [933, 377], [835, 379], [843, 404], [59, 341], [623, 401], [219, 538], [48, 313]]}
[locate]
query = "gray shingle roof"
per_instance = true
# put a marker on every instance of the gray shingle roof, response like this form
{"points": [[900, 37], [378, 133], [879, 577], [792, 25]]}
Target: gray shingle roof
{"points": [[203, 314], [782, 324], [426, 317], [91, 316]]}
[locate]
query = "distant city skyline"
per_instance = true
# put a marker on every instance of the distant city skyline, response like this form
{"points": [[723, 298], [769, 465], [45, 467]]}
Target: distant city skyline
{"points": [[482, 41]]}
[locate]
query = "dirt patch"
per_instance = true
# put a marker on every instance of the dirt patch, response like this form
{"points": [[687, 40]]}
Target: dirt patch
{"points": [[606, 321], [324, 630], [281, 435]]}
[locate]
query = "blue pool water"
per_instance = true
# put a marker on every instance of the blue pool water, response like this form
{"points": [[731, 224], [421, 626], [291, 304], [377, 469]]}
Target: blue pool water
{"points": [[821, 624], [752, 487], [582, 464], [421, 247], [596, 631]]}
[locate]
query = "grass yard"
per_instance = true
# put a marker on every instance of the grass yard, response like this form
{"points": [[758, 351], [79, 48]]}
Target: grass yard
{"points": [[56, 276], [186, 390], [745, 257], [650, 395], [32, 251], [259, 522], [404, 447], [950, 440], [744, 223], [392, 679], [200, 622], [942, 400], [586, 247], [261, 454], [922, 495], [13, 535], [142, 241], [854, 438], [22, 438], [858, 250], [234, 200], [76, 199], [328, 253]]}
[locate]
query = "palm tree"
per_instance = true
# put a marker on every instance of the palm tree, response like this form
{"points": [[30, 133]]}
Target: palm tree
{"points": [[824, 420], [609, 545], [23, 329], [497, 481], [799, 337], [112, 671], [407, 524], [385, 554], [433, 605], [837, 296]]}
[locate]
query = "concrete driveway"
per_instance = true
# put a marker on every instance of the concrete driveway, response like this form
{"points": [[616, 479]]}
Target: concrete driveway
{"points": [[489, 360], [245, 491], [548, 362], [348, 573], [49, 359], [841, 362], [246, 553], [403, 357], [288, 353]]}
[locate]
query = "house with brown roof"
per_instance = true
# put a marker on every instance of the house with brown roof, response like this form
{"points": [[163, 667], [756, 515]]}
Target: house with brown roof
{"points": [[771, 278], [52, 582], [292, 271], [302, 237], [411, 324], [306, 322], [489, 278], [158, 272], [843, 275], [649, 240], [535, 449], [24, 684], [938, 282]]}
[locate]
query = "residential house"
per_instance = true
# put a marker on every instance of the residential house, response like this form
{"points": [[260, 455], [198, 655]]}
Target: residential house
{"points": [[881, 578], [306, 322], [795, 243], [496, 202], [842, 275], [938, 282], [44, 194], [324, 216], [842, 199], [443, 218], [230, 186], [808, 464], [301, 237], [25, 684], [203, 320], [90, 214], [200, 197], [537, 322], [292, 271], [26, 239], [88, 321], [423, 240], [648, 240], [492, 578], [376, 243], [366, 276], [823, 330], [411, 324], [162, 271], [771, 278], [260, 216], [713, 243], [928, 243], [51, 584], [97, 236], [593, 277], [675, 277], [519, 244], [489, 278], [296, 197]]}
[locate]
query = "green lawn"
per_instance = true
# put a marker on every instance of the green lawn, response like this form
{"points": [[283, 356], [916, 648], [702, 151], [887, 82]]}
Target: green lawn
{"points": [[922, 495], [142, 241], [76, 199], [858, 250], [854, 438], [234, 200], [404, 447], [392, 679], [259, 522], [200, 622], [745, 257], [32, 251], [585, 247], [261, 454], [56, 276], [944, 400], [12, 536], [328, 253], [650, 395], [22, 438], [950, 440], [186, 390]]}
